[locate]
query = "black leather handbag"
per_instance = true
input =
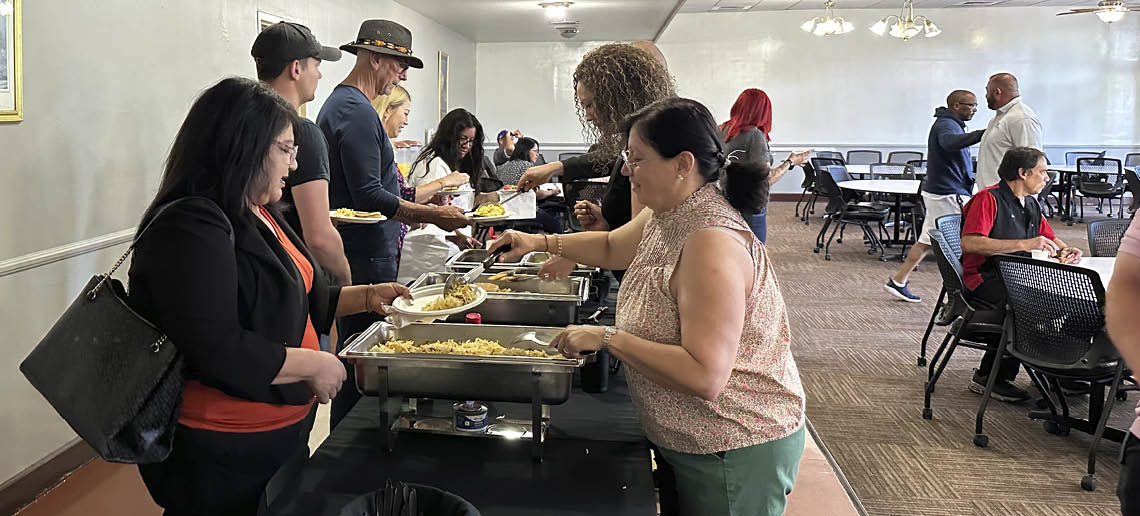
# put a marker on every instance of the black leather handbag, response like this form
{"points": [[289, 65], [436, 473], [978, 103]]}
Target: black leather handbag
{"points": [[112, 375]]}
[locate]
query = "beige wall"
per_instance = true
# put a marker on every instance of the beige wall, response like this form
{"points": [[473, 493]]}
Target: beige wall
{"points": [[106, 85]]}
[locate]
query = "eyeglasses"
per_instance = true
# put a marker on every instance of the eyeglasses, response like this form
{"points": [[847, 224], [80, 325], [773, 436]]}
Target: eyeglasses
{"points": [[965, 104], [465, 141], [633, 165], [292, 150]]}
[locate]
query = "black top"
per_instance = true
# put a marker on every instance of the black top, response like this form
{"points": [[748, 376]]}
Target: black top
{"points": [[312, 164], [363, 174], [949, 169], [230, 306], [1014, 220], [616, 200]]}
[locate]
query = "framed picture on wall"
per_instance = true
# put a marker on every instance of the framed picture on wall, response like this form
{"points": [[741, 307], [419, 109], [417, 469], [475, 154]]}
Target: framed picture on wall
{"points": [[264, 20], [442, 85], [11, 85]]}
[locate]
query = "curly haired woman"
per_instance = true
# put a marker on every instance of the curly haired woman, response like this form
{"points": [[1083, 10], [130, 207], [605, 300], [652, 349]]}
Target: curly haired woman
{"points": [[612, 82]]}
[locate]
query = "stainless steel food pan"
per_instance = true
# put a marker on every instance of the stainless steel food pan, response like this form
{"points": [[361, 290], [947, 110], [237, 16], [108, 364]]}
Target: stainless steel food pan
{"points": [[459, 377], [530, 302], [471, 257]]}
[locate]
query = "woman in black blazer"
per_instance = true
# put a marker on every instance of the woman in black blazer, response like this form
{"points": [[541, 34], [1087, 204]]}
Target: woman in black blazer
{"points": [[243, 300]]}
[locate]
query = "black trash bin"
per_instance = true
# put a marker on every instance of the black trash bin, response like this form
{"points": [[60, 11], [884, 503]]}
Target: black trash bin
{"points": [[430, 501]]}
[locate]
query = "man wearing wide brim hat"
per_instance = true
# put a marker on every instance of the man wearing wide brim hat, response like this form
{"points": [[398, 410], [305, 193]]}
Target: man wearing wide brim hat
{"points": [[363, 174], [384, 37]]}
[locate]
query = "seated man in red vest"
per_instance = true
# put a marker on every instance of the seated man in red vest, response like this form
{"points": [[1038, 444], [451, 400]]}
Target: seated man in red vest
{"points": [[1006, 218]]}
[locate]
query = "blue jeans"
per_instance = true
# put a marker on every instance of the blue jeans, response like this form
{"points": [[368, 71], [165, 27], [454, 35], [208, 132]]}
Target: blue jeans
{"points": [[759, 224]]}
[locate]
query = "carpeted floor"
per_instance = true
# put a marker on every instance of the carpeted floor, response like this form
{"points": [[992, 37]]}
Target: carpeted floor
{"points": [[856, 348]]}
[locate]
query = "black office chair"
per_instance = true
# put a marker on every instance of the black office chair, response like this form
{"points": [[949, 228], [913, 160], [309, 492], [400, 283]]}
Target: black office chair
{"points": [[891, 171], [581, 190], [811, 170], [1055, 327], [1102, 179], [567, 155], [919, 166], [864, 157], [1105, 235], [970, 326], [841, 211], [830, 154], [950, 227], [902, 157], [1072, 157]]}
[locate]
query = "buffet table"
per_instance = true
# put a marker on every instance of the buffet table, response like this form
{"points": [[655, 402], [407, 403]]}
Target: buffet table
{"points": [[596, 462]]}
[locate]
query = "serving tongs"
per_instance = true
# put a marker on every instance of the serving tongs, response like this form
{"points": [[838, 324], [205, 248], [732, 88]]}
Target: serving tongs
{"points": [[455, 281]]}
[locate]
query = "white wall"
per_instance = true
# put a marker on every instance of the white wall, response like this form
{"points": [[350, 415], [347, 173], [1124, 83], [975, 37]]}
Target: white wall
{"points": [[106, 85], [857, 90]]}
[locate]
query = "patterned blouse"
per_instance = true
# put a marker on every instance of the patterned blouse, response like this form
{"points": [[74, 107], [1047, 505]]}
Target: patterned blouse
{"points": [[763, 400], [512, 171]]}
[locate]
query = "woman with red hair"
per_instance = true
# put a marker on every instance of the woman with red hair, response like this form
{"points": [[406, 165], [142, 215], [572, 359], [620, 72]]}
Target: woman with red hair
{"points": [[746, 139]]}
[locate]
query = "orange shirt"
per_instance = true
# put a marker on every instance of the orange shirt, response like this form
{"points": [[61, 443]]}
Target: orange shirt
{"points": [[207, 408]]}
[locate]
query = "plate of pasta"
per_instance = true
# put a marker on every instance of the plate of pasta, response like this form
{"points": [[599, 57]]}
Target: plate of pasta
{"points": [[490, 212], [432, 301], [351, 216]]}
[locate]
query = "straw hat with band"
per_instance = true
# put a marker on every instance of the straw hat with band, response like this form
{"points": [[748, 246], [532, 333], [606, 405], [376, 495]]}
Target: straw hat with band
{"points": [[384, 37]]}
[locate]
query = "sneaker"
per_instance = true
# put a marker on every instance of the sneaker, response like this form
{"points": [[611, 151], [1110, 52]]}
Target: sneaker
{"points": [[1004, 390], [901, 291]]}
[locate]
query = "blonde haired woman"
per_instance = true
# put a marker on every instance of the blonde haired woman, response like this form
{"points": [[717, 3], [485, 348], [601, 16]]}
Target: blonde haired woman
{"points": [[393, 109]]}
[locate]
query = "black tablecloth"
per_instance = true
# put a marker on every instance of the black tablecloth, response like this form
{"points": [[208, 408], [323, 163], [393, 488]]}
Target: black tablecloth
{"points": [[596, 463]]}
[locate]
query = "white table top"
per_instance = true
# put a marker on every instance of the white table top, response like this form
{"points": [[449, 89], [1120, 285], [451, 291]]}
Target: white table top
{"points": [[866, 169], [891, 186], [1102, 265], [1072, 169]]}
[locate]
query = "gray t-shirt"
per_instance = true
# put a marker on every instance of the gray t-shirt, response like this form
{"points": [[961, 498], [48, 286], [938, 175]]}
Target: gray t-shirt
{"points": [[752, 143]]}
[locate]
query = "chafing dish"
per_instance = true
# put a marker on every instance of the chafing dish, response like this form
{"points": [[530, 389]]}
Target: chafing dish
{"points": [[471, 257], [530, 301], [459, 377], [538, 381]]}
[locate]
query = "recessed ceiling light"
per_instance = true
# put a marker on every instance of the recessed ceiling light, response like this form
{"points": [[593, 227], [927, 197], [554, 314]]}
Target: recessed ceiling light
{"points": [[555, 11]]}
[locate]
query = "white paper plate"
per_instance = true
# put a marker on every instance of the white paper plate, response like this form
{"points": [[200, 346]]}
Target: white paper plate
{"points": [[355, 220], [486, 220], [424, 295], [457, 191]]}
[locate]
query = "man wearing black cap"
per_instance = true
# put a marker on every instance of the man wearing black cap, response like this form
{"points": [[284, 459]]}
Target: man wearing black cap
{"points": [[288, 60], [364, 175]]}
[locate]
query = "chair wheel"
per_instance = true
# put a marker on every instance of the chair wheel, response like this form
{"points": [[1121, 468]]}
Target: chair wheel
{"points": [[1054, 428], [921, 361], [827, 257], [1088, 483], [816, 251], [927, 413], [870, 251], [1121, 396], [981, 440], [839, 241]]}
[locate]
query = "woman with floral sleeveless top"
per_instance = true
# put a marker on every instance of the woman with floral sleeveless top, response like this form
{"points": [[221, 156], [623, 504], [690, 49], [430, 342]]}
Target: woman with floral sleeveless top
{"points": [[701, 323]]}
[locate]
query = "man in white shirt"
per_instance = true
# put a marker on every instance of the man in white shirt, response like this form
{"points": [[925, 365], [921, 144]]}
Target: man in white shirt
{"points": [[1014, 125]]}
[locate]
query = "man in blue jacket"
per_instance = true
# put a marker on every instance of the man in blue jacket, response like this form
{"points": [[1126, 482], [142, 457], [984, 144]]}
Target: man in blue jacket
{"points": [[949, 179]]}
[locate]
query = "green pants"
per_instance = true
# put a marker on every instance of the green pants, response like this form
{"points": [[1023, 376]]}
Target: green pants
{"points": [[752, 481]]}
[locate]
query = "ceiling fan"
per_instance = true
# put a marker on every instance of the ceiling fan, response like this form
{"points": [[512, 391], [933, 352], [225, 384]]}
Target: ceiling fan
{"points": [[1107, 10]]}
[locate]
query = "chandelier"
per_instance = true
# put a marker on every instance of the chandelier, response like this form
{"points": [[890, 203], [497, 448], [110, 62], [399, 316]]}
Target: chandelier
{"points": [[906, 25], [829, 24]]}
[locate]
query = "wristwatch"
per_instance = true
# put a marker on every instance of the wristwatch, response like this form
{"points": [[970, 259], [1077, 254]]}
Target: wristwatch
{"points": [[607, 335]]}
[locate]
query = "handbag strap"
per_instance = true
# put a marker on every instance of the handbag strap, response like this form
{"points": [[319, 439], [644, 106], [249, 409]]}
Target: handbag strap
{"points": [[127, 253]]}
